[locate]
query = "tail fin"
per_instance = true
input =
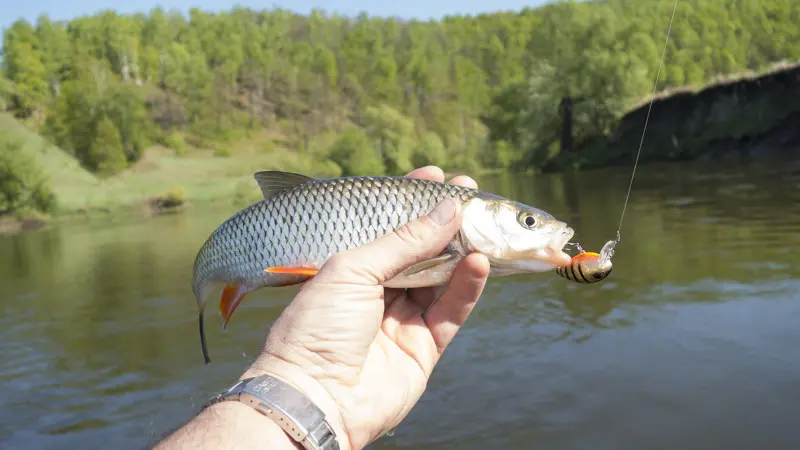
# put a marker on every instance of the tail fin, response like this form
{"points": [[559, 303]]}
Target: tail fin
{"points": [[201, 294]]}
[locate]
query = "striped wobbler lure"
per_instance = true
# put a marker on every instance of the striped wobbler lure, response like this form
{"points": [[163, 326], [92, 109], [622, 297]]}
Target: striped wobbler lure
{"points": [[589, 267]]}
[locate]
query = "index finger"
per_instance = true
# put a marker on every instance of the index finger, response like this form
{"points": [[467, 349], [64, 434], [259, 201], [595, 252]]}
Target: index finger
{"points": [[424, 297], [431, 173], [464, 180], [434, 173]]}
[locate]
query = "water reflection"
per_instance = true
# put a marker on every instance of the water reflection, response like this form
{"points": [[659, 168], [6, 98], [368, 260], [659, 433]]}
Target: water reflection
{"points": [[98, 325]]}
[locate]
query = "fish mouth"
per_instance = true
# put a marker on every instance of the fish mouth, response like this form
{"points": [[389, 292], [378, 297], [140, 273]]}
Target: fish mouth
{"points": [[541, 259], [554, 252], [560, 240], [557, 258]]}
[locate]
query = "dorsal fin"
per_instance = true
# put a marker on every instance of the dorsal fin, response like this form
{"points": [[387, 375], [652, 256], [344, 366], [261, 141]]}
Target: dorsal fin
{"points": [[273, 182]]}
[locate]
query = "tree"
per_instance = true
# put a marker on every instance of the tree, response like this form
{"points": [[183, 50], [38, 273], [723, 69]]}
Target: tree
{"points": [[354, 153], [22, 185], [466, 79], [107, 153]]}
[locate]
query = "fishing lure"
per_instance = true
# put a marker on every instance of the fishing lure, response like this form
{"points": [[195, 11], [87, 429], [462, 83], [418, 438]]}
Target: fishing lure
{"points": [[589, 267]]}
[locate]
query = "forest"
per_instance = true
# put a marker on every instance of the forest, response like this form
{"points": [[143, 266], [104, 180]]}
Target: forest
{"points": [[368, 95]]}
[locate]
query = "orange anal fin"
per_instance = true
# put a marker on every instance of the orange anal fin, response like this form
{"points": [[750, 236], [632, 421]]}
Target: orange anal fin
{"points": [[308, 271], [232, 295]]}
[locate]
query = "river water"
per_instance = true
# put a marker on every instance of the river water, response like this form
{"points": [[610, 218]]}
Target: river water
{"points": [[693, 342]]}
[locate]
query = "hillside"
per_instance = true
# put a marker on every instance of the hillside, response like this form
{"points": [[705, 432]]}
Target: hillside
{"points": [[72, 183], [199, 176], [163, 104]]}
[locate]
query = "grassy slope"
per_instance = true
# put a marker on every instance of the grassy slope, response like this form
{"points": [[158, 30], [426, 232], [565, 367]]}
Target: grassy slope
{"points": [[68, 178], [200, 174]]}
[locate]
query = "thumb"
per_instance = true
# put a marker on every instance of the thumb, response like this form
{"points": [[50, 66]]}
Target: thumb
{"points": [[417, 240]]}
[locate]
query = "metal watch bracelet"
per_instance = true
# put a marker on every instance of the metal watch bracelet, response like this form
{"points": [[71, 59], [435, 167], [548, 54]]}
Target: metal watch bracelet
{"points": [[287, 406]]}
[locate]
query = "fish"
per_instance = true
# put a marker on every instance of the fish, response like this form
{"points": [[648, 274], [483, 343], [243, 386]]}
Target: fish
{"points": [[285, 238], [589, 267]]}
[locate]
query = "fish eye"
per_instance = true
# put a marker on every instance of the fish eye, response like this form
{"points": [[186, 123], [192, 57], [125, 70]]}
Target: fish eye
{"points": [[527, 220]]}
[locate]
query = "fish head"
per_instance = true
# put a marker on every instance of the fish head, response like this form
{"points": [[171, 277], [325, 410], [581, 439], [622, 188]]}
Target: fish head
{"points": [[515, 237]]}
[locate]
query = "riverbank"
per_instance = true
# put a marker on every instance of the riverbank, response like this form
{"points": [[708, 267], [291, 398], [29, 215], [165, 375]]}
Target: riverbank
{"points": [[750, 115], [12, 224], [747, 115]]}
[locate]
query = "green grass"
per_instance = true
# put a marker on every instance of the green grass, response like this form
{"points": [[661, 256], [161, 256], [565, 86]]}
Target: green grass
{"points": [[67, 178], [202, 175]]}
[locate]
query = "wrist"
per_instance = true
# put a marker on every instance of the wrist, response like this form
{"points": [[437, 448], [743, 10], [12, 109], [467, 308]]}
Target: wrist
{"points": [[229, 425], [299, 378], [241, 419]]}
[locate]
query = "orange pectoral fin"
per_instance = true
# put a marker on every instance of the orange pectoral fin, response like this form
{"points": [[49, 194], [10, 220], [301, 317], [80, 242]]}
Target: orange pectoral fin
{"points": [[232, 295], [309, 271]]}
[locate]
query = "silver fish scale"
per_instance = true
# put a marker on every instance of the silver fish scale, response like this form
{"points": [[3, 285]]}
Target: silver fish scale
{"points": [[306, 225]]}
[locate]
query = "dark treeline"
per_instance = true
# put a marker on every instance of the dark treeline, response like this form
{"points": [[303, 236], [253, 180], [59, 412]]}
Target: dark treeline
{"points": [[374, 95]]}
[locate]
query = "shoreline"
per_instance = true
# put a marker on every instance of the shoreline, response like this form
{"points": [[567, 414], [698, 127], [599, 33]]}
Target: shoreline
{"points": [[11, 224], [740, 117]]}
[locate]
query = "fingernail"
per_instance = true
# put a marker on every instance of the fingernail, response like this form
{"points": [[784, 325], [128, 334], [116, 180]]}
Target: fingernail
{"points": [[444, 212]]}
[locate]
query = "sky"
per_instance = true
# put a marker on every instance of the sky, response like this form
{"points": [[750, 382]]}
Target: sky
{"points": [[421, 9]]}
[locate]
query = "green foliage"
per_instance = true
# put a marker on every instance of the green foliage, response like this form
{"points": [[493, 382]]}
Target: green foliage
{"points": [[96, 102], [174, 197], [175, 142], [106, 153], [354, 153], [23, 66], [503, 155], [392, 134], [23, 187], [430, 151], [6, 93], [415, 89]]}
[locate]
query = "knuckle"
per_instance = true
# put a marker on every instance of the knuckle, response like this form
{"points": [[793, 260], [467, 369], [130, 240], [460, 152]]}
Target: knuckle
{"points": [[412, 232]]}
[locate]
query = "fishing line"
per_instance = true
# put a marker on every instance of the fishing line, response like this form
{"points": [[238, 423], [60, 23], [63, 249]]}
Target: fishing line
{"points": [[647, 119], [590, 267], [607, 252]]}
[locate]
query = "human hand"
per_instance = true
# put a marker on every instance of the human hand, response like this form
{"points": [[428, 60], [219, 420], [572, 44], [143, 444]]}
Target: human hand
{"points": [[364, 353]]}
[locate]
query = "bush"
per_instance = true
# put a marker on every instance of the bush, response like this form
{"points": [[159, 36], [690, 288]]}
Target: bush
{"points": [[430, 151], [171, 200], [354, 153], [175, 196], [175, 142], [23, 187]]}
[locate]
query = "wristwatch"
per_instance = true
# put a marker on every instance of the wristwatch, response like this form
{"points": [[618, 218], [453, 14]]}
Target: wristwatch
{"points": [[285, 405]]}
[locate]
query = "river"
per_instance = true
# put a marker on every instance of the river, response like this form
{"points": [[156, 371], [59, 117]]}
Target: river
{"points": [[691, 343]]}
